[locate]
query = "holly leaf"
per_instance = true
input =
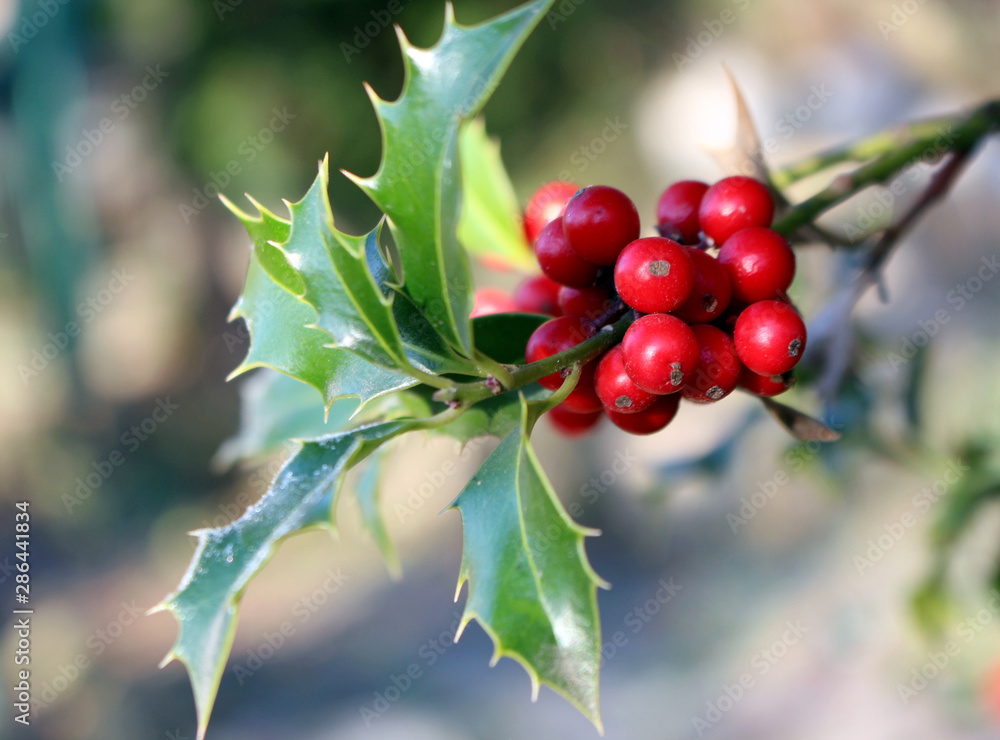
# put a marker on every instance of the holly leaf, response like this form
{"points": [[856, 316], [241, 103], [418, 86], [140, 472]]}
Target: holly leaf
{"points": [[280, 324], [275, 408], [504, 336], [531, 586], [490, 225], [745, 156], [418, 182], [303, 496], [800, 425], [368, 490], [351, 306]]}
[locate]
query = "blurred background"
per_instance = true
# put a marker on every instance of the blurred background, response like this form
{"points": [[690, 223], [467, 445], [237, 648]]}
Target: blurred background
{"points": [[761, 588]]}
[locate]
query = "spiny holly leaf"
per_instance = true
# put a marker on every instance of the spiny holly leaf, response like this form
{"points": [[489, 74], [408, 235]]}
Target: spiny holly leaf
{"points": [[531, 586], [303, 496], [279, 324], [490, 225], [275, 408], [334, 269], [417, 184]]}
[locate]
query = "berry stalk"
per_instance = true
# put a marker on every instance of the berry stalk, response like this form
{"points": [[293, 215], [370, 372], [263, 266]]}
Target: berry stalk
{"points": [[466, 394]]}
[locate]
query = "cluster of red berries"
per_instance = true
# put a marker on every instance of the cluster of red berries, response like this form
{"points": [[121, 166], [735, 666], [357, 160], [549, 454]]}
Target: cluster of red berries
{"points": [[705, 324]]}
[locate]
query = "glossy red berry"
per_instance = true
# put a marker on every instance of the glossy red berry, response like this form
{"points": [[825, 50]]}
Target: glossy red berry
{"points": [[571, 423], [770, 337], [734, 203], [719, 367], [660, 352], [559, 335], [765, 385], [590, 303], [558, 260], [654, 275], [537, 295], [712, 290], [652, 420], [547, 203], [583, 399], [599, 221], [491, 300], [553, 337], [615, 389], [760, 263], [677, 211]]}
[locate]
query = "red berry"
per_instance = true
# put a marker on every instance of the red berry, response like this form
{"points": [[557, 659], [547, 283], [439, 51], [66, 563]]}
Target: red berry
{"points": [[712, 290], [559, 335], [583, 398], [734, 203], [660, 352], [571, 423], [553, 337], [718, 369], [765, 385], [654, 275], [537, 295], [491, 300], [546, 204], [590, 303], [677, 211], [759, 262], [652, 420], [558, 260], [615, 389], [599, 221], [770, 337]]}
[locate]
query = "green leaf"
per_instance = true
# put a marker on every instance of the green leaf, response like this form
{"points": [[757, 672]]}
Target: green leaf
{"points": [[338, 283], [531, 586], [490, 225], [417, 184], [281, 336], [504, 336], [302, 497], [368, 489], [275, 408]]}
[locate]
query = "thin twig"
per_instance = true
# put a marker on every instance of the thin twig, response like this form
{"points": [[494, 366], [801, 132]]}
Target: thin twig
{"points": [[839, 342]]}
